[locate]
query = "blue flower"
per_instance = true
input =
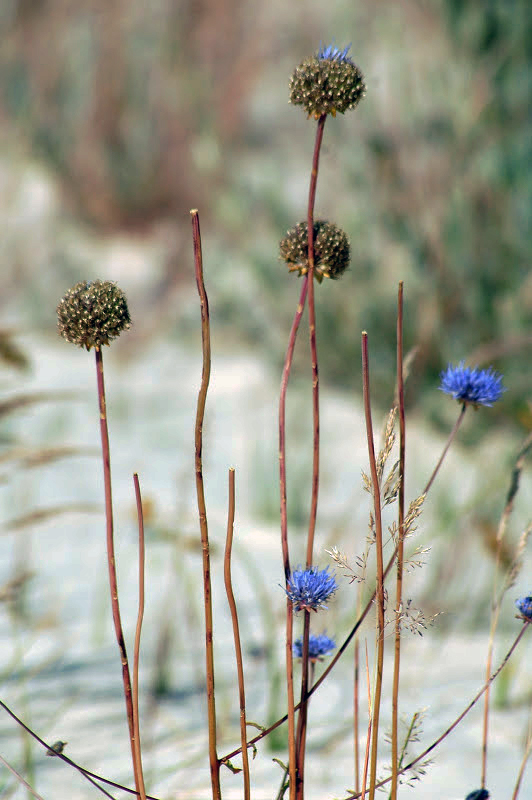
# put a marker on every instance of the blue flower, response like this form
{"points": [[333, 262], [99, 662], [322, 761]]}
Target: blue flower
{"points": [[480, 387], [318, 646], [479, 794], [332, 53], [310, 588], [524, 605]]}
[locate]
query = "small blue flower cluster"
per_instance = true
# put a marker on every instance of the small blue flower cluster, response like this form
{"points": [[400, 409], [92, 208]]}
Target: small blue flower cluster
{"points": [[318, 646], [309, 589], [332, 53], [524, 606], [479, 387]]}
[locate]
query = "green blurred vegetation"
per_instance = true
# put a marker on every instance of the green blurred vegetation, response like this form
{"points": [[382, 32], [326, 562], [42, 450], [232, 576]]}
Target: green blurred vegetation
{"points": [[142, 111]]}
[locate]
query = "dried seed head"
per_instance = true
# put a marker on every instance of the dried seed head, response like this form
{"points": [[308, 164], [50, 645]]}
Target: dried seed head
{"points": [[327, 83], [93, 313], [331, 250]]}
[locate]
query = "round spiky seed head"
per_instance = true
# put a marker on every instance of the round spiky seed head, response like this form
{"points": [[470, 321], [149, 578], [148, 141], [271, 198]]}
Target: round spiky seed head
{"points": [[331, 250], [93, 313], [328, 83]]}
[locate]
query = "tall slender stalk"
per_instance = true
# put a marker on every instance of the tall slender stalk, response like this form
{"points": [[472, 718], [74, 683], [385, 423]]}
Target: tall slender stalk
{"points": [[113, 585], [236, 632], [368, 736], [356, 712], [136, 651], [380, 567], [302, 720], [400, 543], [284, 535], [202, 510]]}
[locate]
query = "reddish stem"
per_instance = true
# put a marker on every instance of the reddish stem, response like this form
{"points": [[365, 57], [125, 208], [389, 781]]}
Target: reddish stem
{"points": [[380, 566], [113, 585], [400, 544], [136, 651], [236, 631]]}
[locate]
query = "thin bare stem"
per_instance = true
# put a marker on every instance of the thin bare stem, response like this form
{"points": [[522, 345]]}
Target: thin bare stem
{"points": [[457, 721], [126, 679], [302, 721], [313, 347], [325, 673], [356, 711], [526, 756], [92, 777], [20, 779], [303, 707], [284, 532], [445, 449], [136, 651], [380, 566], [289, 658], [368, 736], [400, 543], [198, 444], [236, 632]]}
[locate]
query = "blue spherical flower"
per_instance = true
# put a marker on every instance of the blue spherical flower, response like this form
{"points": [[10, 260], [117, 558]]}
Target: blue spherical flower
{"points": [[478, 794], [332, 53], [318, 646], [524, 605], [480, 387], [310, 588]]}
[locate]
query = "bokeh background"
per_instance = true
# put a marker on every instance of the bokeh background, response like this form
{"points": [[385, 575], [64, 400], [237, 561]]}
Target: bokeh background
{"points": [[117, 118]]}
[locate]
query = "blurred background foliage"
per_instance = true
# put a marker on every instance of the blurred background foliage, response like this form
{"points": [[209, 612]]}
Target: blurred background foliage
{"points": [[131, 113]]}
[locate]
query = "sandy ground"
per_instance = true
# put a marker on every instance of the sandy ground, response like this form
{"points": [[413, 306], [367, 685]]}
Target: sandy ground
{"points": [[59, 664]]}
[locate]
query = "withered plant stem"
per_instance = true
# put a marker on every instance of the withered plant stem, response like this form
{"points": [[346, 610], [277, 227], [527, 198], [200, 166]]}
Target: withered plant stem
{"points": [[289, 659], [138, 631], [313, 347], [113, 585], [379, 588], [204, 532], [302, 720], [446, 448], [400, 544], [236, 631]]}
